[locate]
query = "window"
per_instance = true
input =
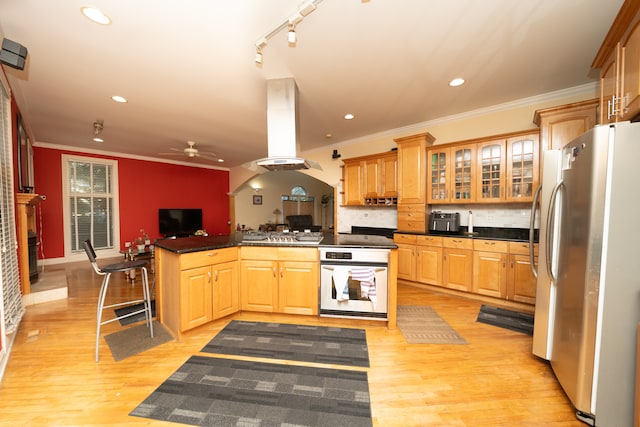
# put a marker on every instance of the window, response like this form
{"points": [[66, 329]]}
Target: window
{"points": [[10, 294], [297, 203], [90, 210]]}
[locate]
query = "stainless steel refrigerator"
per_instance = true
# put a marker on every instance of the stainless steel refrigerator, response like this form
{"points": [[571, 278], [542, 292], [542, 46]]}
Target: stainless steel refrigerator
{"points": [[588, 290]]}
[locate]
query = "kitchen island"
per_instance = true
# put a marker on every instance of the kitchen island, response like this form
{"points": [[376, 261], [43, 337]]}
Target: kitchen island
{"points": [[203, 278]]}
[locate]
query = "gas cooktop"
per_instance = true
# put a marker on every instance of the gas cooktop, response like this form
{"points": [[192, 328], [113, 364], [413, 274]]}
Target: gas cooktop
{"points": [[282, 237]]}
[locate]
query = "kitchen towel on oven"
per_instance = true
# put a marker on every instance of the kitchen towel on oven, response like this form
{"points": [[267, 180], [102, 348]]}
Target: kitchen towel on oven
{"points": [[341, 282], [367, 278]]}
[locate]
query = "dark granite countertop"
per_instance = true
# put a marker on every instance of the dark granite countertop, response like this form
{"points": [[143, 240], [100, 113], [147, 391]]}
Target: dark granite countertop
{"points": [[489, 233], [183, 245]]}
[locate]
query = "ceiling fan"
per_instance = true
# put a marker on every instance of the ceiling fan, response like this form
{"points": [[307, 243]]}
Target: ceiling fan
{"points": [[190, 151]]}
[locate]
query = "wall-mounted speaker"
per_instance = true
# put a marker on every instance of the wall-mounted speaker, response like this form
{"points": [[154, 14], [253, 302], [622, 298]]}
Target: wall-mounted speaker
{"points": [[13, 54]]}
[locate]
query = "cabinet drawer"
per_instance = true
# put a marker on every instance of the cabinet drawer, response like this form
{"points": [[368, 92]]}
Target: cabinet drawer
{"points": [[411, 224], [457, 243], [407, 239], [204, 258], [491, 245], [522, 248], [272, 253], [429, 240]]}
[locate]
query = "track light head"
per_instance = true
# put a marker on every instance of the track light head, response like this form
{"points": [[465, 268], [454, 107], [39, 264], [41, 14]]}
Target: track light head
{"points": [[291, 35]]}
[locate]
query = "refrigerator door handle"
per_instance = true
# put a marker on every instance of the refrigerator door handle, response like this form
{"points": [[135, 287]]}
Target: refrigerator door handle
{"points": [[534, 204], [550, 212]]}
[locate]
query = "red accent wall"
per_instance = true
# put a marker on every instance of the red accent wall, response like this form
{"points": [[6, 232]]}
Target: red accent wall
{"points": [[144, 187]]}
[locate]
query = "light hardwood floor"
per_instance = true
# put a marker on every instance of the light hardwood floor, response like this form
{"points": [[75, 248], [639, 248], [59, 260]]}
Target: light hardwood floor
{"points": [[494, 380]]}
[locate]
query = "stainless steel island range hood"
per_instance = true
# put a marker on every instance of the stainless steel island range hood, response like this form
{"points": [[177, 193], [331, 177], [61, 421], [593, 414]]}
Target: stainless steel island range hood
{"points": [[282, 128]]}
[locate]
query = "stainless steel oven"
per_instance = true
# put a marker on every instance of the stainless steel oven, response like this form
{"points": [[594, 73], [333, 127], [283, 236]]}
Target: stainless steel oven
{"points": [[354, 282]]}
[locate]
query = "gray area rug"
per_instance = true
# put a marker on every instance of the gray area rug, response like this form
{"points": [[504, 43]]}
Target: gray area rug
{"points": [[136, 339], [320, 344], [422, 325], [209, 391]]}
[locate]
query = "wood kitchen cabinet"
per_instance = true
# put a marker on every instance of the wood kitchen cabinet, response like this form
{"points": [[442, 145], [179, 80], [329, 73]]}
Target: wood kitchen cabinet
{"points": [[371, 180], [412, 175], [523, 170], [419, 258], [490, 267], [521, 283], [208, 293], [196, 288], [353, 193], [406, 256], [457, 264], [451, 174], [498, 169], [619, 62], [279, 279], [429, 260], [564, 123]]}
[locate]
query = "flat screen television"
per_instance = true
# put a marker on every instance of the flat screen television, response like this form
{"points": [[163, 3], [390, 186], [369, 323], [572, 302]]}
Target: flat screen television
{"points": [[179, 222]]}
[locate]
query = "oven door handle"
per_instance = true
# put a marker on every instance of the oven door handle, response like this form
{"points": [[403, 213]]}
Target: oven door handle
{"points": [[377, 270]]}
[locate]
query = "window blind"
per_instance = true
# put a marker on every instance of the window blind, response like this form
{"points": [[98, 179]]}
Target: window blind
{"points": [[9, 275]]}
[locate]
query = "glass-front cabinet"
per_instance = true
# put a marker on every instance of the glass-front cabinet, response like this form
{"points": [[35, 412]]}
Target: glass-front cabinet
{"points": [[463, 173], [522, 167], [451, 175], [491, 171], [438, 175]]}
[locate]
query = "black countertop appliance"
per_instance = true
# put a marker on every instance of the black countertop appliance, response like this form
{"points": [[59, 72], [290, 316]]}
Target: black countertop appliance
{"points": [[439, 221]]}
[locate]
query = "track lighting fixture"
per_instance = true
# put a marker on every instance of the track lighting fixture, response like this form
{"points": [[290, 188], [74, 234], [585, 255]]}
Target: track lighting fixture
{"points": [[291, 36], [98, 126], [304, 9]]}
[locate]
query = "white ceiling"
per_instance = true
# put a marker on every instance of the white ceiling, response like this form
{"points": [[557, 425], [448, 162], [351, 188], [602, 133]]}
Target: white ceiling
{"points": [[187, 67]]}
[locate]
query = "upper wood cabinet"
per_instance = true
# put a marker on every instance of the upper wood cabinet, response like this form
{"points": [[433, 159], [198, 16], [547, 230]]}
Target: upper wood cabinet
{"points": [[412, 168], [564, 123], [619, 62], [522, 167], [491, 171], [451, 174], [499, 169], [371, 180], [353, 193]]}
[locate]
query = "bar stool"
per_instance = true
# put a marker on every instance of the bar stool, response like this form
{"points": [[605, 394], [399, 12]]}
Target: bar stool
{"points": [[106, 271]]}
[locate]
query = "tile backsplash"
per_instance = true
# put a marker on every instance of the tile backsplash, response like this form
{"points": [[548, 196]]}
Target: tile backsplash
{"points": [[516, 216]]}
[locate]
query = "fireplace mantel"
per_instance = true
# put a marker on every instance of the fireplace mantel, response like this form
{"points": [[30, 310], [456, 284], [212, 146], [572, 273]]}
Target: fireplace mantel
{"points": [[25, 221]]}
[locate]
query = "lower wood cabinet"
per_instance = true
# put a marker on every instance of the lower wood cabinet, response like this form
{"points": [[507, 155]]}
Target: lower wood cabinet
{"points": [[490, 267], [208, 293], [457, 264], [521, 281], [493, 268], [279, 280], [196, 288]]}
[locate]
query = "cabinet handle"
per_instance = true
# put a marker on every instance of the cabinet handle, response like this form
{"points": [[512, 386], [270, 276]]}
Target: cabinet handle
{"points": [[281, 272], [504, 264], [274, 272], [511, 263], [209, 276], [212, 254], [490, 243], [216, 279]]}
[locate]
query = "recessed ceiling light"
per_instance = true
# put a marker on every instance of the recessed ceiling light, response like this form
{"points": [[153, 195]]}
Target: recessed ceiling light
{"points": [[349, 116], [220, 160], [456, 82], [120, 99], [96, 139], [95, 15]]}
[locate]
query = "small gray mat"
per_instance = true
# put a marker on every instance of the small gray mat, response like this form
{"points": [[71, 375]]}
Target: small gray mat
{"points": [[136, 339], [422, 325]]}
